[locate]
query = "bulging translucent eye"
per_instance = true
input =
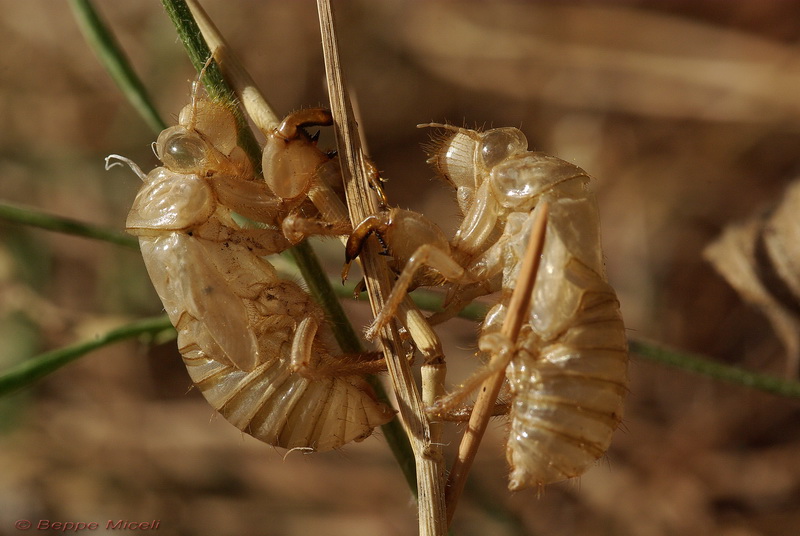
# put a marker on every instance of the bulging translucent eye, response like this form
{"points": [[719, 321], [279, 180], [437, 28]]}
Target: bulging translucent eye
{"points": [[500, 143], [182, 151]]}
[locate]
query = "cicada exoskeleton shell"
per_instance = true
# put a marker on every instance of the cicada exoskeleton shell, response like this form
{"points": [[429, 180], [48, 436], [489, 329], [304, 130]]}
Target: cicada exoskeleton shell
{"points": [[238, 322], [567, 372]]}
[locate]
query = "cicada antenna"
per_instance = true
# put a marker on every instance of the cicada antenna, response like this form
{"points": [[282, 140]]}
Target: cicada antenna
{"points": [[117, 160], [445, 126]]}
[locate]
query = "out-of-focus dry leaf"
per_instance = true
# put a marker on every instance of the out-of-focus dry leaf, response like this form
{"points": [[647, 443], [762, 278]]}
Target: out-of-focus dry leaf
{"points": [[760, 258]]}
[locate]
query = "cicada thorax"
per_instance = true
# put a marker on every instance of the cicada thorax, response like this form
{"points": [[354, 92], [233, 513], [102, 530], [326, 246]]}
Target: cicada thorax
{"points": [[238, 323]]}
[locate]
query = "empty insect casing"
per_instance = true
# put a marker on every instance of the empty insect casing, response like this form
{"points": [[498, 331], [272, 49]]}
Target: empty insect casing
{"points": [[238, 323], [568, 371], [568, 378]]}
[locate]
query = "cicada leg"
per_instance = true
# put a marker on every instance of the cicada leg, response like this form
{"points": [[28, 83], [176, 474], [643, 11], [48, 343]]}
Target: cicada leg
{"points": [[425, 256], [296, 227], [460, 296], [304, 360], [291, 158], [502, 350], [292, 125], [462, 413], [413, 240]]}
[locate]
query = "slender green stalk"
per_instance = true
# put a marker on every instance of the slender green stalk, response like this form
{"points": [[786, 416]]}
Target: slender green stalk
{"points": [[116, 63], [702, 365], [212, 78], [36, 218], [664, 355], [35, 368], [198, 52]]}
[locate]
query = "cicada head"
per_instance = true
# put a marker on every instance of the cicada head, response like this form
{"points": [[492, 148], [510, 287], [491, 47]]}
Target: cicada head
{"points": [[500, 144], [186, 151], [214, 122], [465, 157]]}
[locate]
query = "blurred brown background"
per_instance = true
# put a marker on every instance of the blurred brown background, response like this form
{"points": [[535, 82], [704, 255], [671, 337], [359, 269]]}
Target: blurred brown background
{"points": [[685, 112]]}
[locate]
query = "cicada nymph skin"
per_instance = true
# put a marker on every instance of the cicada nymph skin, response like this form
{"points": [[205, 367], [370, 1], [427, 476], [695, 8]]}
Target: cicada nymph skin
{"points": [[257, 346], [568, 374], [568, 378]]}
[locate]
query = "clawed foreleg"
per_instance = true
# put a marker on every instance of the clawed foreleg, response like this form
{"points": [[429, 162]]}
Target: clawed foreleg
{"points": [[296, 227], [305, 361]]}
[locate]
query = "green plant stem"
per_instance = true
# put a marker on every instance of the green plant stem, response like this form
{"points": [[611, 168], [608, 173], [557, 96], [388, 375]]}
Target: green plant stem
{"points": [[36, 218], [718, 371], [658, 353], [41, 365], [115, 61], [349, 341], [212, 78]]}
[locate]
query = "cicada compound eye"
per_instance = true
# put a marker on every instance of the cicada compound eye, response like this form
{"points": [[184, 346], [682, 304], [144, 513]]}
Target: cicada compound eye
{"points": [[181, 150], [500, 143]]}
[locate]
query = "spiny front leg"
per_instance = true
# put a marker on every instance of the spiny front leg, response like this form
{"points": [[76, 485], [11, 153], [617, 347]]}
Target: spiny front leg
{"points": [[291, 158], [290, 127], [296, 227]]}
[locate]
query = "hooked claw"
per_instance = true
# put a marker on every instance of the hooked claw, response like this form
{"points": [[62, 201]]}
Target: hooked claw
{"points": [[291, 126], [373, 224]]}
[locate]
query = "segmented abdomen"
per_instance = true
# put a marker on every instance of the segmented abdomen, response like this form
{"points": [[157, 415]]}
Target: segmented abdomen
{"points": [[283, 408], [568, 392], [196, 281]]}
